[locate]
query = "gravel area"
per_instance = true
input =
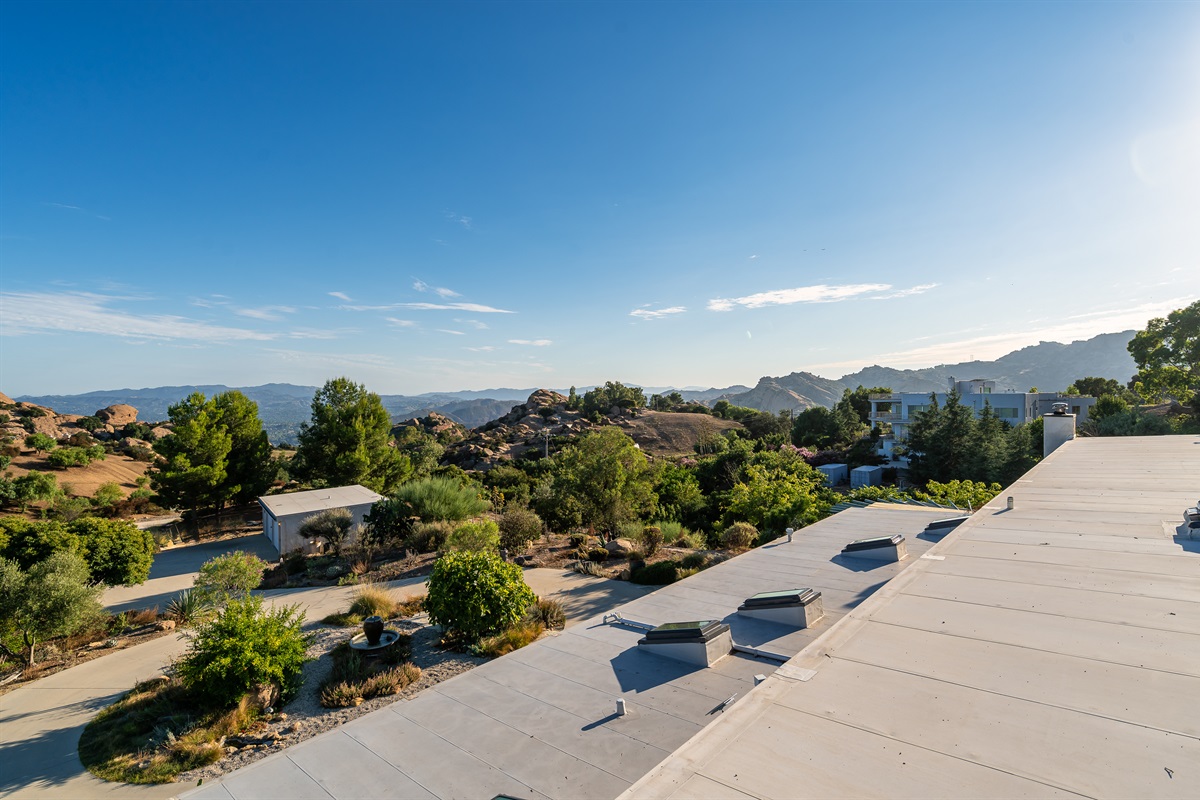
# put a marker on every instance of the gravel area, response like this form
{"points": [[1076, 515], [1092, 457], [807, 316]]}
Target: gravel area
{"points": [[305, 717]]}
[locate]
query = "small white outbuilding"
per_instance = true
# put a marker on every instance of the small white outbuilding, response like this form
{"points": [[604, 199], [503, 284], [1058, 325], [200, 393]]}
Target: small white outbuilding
{"points": [[866, 476], [283, 514]]}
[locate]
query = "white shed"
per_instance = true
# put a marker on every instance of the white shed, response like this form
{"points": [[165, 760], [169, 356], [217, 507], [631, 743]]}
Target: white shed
{"points": [[835, 473], [866, 476], [283, 514]]}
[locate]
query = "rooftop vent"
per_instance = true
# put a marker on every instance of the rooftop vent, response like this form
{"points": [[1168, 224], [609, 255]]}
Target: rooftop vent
{"points": [[879, 548], [945, 525], [798, 607], [701, 642]]}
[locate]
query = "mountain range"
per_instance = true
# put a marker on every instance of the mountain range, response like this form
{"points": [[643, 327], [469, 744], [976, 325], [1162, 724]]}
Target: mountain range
{"points": [[283, 406]]}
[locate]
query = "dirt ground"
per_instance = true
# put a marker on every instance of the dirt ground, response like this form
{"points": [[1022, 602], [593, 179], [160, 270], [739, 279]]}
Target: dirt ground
{"points": [[84, 481], [663, 434]]}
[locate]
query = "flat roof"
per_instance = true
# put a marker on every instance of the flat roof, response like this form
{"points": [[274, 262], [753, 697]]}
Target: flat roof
{"points": [[1051, 650], [541, 722], [310, 502]]}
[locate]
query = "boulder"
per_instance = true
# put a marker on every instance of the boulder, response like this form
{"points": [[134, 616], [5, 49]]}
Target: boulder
{"points": [[619, 547], [160, 432], [118, 416]]}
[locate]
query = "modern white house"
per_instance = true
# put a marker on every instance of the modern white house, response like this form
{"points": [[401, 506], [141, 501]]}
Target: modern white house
{"points": [[897, 409], [283, 514]]}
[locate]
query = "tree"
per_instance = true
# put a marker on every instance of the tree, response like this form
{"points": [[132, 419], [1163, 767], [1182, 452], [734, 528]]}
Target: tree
{"points": [[1095, 387], [608, 478], [860, 401], [195, 467], [423, 449], [229, 577], [775, 496], [939, 440], [53, 598], [475, 593], [1167, 354], [116, 551], [41, 442], [33, 487], [333, 525], [248, 466], [602, 399], [1106, 406], [822, 428], [347, 440]]}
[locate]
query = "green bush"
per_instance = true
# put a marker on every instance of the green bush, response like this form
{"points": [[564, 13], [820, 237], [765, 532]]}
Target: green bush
{"points": [[550, 613], [479, 537], [518, 528], [694, 561], [230, 576], [659, 573], [333, 525], [652, 539], [692, 540], [117, 552], [428, 537], [40, 442], [440, 499], [107, 494], [55, 597], [189, 607], [671, 530], [578, 540], [739, 536], [598, 554], [243, 648], [473, 594]]}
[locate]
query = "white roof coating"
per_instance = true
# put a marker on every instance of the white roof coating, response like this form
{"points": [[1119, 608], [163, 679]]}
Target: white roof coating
{"points": [[310, 502], [540, 722], [1051, 650]]}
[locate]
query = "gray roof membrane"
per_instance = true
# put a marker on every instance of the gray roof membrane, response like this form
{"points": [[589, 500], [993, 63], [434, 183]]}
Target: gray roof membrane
{"points": [[541, 722]]}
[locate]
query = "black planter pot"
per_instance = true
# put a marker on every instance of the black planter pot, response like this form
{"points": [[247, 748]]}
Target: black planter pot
{"points": [[373, 628]]}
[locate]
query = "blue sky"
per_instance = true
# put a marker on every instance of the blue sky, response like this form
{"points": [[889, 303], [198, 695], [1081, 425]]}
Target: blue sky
{"points": [[443, 196]]}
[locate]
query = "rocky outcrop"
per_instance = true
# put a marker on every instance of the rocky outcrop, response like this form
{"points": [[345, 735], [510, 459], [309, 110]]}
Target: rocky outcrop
{"points": [[540, 424], [118, 416], [445, 429]]}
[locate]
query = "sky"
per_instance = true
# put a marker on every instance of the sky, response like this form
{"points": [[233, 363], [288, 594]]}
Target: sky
{"points": [[450, 196]]}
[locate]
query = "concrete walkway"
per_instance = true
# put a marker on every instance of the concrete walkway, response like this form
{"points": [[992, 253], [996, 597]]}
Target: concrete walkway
{"points": [[40, 724]]}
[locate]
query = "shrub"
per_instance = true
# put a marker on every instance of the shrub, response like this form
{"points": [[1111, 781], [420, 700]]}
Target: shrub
{"points": [[550, 613], [597, 554], [473, 594], [440, 498], [694, 561], [692, 540], [652, 539], [54, 598], [518, 528], [588, 568], [630, 530], [671, 530], [373, 600], [107, 494], [659, 573], [428, 537], [294, 561], [739, 536], [40, 442], [243, 648], [512, 638], [477, 537], [578, 540], [230, 576], [333, 525], [189, 607]]}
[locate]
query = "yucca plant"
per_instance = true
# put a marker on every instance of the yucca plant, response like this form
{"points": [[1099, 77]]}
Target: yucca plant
{"points": [[189, 607]]}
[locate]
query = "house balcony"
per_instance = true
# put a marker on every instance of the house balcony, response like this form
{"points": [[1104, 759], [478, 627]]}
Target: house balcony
{"points": [[887, 416]]}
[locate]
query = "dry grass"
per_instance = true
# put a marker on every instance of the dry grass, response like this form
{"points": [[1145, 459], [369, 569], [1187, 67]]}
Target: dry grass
{"points": [[514, 638], [374, 600]]}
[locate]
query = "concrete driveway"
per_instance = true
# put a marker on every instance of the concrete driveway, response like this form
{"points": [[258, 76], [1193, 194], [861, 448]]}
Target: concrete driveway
{"points": [[40, 724], [176, 568]]}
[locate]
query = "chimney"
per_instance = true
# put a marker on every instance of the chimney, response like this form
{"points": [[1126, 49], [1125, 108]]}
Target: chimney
{"points": [[1058, 430]]}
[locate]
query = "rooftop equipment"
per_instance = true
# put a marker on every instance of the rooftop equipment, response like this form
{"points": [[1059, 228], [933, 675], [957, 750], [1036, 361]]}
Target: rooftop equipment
{"points": [[879, 548], [700, 642], [798, 607]]}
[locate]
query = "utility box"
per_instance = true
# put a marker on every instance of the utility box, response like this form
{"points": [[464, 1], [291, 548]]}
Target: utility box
{"points": [[866, 476]]}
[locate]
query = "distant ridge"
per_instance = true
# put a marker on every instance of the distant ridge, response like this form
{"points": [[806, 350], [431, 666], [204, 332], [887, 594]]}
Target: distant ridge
{"points": [[284, 406]]}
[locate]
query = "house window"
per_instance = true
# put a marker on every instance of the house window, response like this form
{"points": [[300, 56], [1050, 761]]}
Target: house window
{"points": [[1006, 413], [915, 409]]}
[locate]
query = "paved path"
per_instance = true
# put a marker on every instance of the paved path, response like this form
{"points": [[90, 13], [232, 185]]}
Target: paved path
{"points": [[40, 724]]}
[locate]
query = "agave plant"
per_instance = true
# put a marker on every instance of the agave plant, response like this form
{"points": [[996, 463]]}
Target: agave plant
{"points": [[189, 607]]}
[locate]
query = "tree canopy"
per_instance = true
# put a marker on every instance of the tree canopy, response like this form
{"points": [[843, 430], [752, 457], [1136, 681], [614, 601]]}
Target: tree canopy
{"points": [[603, 480], [949, 443], [347, 440], [1167, 353]]}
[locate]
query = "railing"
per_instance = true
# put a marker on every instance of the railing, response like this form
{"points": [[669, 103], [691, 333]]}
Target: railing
{"points": [[888, 416], [884, 396]]}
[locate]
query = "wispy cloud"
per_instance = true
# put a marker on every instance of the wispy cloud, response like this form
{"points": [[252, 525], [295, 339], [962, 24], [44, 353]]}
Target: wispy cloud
{"points": [[474, 323], [212, 301], [69, 207], [820, 293], [315, 333], [440, 291], [656, 313], [487, 348], [340, 296], [921, 289], [461, 219], [531, 342], [400, 323], [474, 308], [339, 361], [79, 312], [447, 330], [266, 313]]}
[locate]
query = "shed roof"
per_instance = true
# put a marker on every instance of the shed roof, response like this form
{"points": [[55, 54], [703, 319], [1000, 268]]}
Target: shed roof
{"points": [[310, 502], [540, 722], [1050, 650]]}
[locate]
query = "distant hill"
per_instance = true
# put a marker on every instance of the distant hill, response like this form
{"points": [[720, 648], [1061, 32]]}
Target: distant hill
{"points": [[1050, 366], [284, 406]]}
